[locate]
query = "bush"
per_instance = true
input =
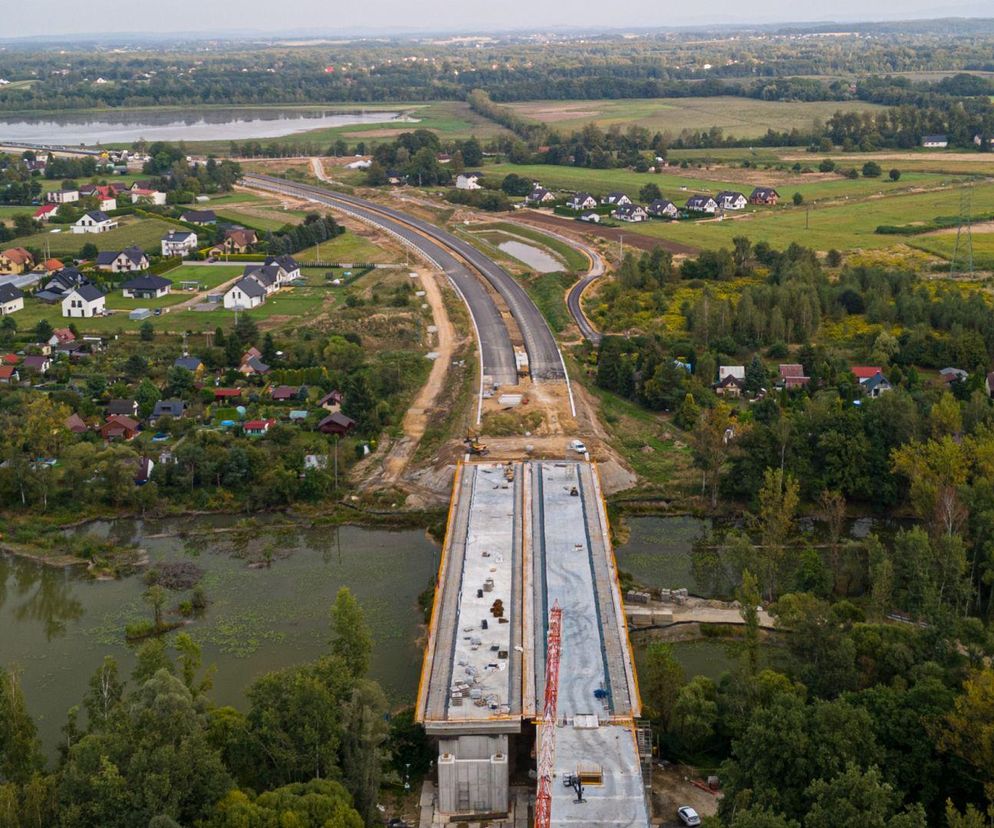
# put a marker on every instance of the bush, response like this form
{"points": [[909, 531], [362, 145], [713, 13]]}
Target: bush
{"points": [[871, 169], [826, 166], [894, 174], [798, 199]]}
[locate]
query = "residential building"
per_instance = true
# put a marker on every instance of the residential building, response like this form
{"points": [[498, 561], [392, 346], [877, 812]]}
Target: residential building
{"points": [[61, 283], [84, 301], [148, 196], [737, 371], [76, 424], [247, 292], [179, 243], [238, 240], [61, 336], [191, 363], [144, 472], [592, 217], [290, 266], [630, 212], [581, 201], [935, 141], [540, 195], [616, 199], [792, 376], [46, 212], [730, 200], [199, 217], [126, 261], [865, 372], [332, 401], [16, 260], [662, 208], [253, 366], [876, 385], [221, 394], [730, 386], [119, 427], [11, 299], [38, 364], [146, 287], [62, 196], [764, 195], [978, 140], [96, 221], [9, 374], [469, 181], [702, 204], [126, 408], [337, 424], [167, 408], [950, 375], [285, 393], [258, 428]]}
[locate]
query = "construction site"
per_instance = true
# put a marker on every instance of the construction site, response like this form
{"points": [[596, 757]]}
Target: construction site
{"points": [[528, 672]]}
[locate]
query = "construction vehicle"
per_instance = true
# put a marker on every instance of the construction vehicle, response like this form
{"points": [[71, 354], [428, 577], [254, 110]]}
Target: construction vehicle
{"points": [[474, 446]]}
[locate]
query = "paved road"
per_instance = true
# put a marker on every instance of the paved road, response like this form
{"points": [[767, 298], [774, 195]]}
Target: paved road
{"points": [[496, 352], [545, 361]]}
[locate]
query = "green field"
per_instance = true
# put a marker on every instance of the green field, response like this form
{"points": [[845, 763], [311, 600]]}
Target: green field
{"points": [[944, 243], [741, 117], [348, 248], [679, 185], [262, 219], [145, 233]]}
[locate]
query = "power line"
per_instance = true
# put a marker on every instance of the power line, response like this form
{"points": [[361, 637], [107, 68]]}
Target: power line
{"points": [[964, 237]]}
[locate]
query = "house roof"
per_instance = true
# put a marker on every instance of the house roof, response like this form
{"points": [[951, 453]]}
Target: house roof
{"points": [[287, 262], [581, 197], [45, 209], [791, 369], [63, 335], [98, 216], [17, 255], [107, 257], [259, 425], [227, 392], [9, 359], [146, 282], [172, 408], [658, 205], [250, 286], [7, 371], [616, 195], [241, 236], [337, 420], [177, 236], [75, 423], [335, 396], [121, 407], [88, 292], [764, 191], [699, 199], [730, 379], [628, 209], [864, 372], [875, 381], [8, 293], [191, 363], [36, 363], [199, 216], [257, 365], [122, 421], [931, 138]]}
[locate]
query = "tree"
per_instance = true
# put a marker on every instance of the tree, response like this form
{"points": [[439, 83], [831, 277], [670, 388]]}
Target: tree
{"points": [[319, 803], [748, 597], [894, 175], [774, 522], [89, 251], [155, 595], [146, 332], [827, 165], [43, 331], [710, 442], [20, 751], [742, 254], [871, 169], [755, 376], [660, 680], [688, 413], [695, 714], [858, 797], [351, 639], [798, 199], [363, 736], [650, 192], [969, 729], [106, 691]]}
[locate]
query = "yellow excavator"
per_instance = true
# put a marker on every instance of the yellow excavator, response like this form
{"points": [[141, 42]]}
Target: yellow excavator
{"points": [[474, 446]]}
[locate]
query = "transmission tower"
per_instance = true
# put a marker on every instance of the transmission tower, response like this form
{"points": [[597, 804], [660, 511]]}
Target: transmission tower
{"points": [[963, 249]]}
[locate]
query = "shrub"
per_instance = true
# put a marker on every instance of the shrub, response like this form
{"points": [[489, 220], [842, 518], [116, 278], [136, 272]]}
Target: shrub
{"points": [[871, 169]]}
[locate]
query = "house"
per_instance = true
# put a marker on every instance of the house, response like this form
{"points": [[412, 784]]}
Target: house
{"points": [[737, 371], [96, 221], [764, 195], [141, 195], [702, 204], [631, 212], [951, 375], [9, 374], [730, 386], [179, 243], [146, 287], [247, 292], [469, 181], [167, 408], [662, 208], [62, 196], [75, 424], [284, 393], [9, 359], [592, 217], [221, 394], [865, 372], [190, 363], [730, 200], [581, 201], [876, 385], [332, 401], [11, 299], [119, 427], [46, 212], [290, 266], [85, 301], [271, 277], [61, 336], [395, 178], [127, 261], [337, 424], [616, 199], [125, 408], [258, 428], [253, 366], [201, 218], [792, 376], [16, 260], [61, 283], [935, 141], [144, 473], [539, 195], [978, 140], [38, 364], [50, 266], [238, 240]]}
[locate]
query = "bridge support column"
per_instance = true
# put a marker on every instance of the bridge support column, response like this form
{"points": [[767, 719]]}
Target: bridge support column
{"points": [[473, 775]]}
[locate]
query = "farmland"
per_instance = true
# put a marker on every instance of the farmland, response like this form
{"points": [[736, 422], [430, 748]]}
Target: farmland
{"points": [[740, 117]]}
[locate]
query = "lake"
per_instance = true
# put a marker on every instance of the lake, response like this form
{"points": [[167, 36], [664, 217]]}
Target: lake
{"points": [[58, 626], [535, 257], [235, 124]]}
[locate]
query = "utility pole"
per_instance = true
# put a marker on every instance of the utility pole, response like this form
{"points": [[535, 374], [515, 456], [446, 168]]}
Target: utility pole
{"points": [[964, 236]]}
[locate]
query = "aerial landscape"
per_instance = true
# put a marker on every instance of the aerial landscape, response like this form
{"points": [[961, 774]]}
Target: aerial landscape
{"points": [[497, 417]]}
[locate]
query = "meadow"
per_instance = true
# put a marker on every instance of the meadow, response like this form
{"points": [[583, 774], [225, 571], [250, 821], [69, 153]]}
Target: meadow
{"points": [[144, 232]]}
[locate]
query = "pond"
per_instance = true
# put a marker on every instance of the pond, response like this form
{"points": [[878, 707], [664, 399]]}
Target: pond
{"points": [[539, 260], [125, 127], [57, 626]]}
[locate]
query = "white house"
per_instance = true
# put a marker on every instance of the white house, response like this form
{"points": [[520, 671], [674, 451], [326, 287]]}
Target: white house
{"points": [[106, 202], [96, 221], [729, 200], [146, 287], [935, 141], [62, 196], [661, 208], [139, 196], [540, 195], [737, 371], [84, 301], [702, 204], [129, 260], [593, 218], [179, 243], [246, 293], [582, 201], [616, 199], [11, 299], [291, 270], [469, 181], [631, 212]]}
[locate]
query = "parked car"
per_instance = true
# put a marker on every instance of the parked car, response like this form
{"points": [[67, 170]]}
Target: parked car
{"points": [[688, 816], [578, 447]]}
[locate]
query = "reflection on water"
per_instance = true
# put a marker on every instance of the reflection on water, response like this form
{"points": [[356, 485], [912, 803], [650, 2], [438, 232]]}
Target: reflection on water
{"points": [[537, 259], [57, 627], [201, 125]]}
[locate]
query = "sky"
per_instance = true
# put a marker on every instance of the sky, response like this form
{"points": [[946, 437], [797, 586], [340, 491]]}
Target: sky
{"points": [[325, 17]]}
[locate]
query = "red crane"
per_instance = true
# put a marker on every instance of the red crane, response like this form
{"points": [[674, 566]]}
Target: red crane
{"points": [[547, 731]]}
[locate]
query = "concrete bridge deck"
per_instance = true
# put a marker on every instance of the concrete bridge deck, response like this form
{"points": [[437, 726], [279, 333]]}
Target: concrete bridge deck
{"points": [[531, 534]]}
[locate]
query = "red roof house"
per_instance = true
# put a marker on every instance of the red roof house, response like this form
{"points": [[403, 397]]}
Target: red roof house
{"points": [[119, 427], [865, 372], [258, 428], [227, 393]]}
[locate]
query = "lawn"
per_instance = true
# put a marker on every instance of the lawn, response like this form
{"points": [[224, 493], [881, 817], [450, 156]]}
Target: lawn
{"points": [[943, 245], [209, 276], [145, 233], [262, 218], [348, 248], [741, 117]]}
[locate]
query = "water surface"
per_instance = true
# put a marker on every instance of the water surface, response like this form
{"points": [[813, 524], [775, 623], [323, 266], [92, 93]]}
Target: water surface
{"points": [[535, 257]]}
